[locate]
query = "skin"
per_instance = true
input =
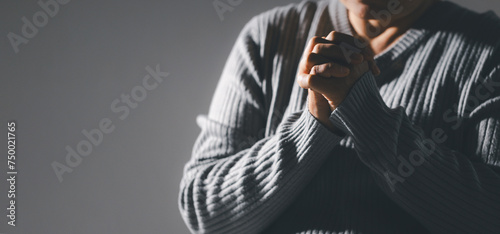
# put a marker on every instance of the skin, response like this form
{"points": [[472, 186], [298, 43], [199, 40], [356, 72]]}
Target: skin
{"points": [[403, 16], [331, 65]]}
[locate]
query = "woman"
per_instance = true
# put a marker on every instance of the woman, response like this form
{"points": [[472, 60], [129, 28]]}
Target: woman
{"points": [[353, 116]]}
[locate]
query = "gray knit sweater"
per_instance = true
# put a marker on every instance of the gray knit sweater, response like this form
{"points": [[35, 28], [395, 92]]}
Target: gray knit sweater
{"points": [[421, 150]]}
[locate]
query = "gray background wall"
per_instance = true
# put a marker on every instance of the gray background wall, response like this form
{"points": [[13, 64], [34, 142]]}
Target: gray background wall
{"points": [[66, 77]]}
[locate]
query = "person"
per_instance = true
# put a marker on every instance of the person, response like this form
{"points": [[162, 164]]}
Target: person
{"points": [[353, 116]]}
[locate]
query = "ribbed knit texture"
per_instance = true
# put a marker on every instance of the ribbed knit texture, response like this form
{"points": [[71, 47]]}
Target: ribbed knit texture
{"points": [[421, 152]]}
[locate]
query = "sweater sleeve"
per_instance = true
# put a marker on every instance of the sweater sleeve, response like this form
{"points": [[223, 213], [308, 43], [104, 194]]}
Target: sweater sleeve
{"points": [[448, 191], [237, 180]]}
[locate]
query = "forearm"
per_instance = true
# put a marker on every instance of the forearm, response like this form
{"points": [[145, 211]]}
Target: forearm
{"points": [[244, 191], [443, 189]]}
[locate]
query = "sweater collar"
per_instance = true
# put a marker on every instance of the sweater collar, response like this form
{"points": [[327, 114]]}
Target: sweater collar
{"points": [[410, 38]]}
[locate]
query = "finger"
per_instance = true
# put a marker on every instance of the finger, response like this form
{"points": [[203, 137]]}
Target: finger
{"points": [[330, 70], [368, 54], [312, 60], [313, 41], [353, 43], [320, 84], [305, 80], [347, 42], [338, 37], [326, 48], [309, 60], [338, 53]]}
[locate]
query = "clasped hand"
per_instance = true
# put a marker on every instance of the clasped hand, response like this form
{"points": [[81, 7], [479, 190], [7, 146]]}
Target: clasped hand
{"points": [[329, 67]]}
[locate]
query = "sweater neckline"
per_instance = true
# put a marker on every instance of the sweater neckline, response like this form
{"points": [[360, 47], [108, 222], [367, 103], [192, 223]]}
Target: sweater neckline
{"points": [[340, 22]]}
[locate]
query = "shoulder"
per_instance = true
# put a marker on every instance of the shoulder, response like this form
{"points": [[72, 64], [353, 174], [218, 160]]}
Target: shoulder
{"points": [[470, 39], [472, 43], [473, 27]]}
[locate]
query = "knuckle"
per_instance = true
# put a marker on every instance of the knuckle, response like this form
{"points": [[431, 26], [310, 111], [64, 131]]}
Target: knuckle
{"points": [[316, 69], [309, 58], [315, 40], [317, 48], [308, 80], [331, 35], [304, 80]]}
